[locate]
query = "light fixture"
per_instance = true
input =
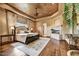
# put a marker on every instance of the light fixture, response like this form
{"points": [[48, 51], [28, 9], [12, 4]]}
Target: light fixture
{"points": [[31, 29], [26, 26], [12, 28], [36, 14]]}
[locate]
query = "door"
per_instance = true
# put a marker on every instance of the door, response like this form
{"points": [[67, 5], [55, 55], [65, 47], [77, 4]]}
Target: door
{"points": [[45, 29]]}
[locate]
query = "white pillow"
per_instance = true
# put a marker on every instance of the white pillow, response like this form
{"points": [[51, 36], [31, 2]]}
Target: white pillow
{"points": [[21, 31]]}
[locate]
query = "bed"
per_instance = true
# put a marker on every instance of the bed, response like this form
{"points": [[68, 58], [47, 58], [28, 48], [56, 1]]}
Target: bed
{"points": [[24, 34], [27, 37]]}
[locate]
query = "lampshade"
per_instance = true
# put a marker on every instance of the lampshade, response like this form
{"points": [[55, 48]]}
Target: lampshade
{"points": [[12, 27], [26, 26], [31, 29]]}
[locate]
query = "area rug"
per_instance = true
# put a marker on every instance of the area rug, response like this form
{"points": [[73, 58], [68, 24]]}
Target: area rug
{"points": [[34, 48]]}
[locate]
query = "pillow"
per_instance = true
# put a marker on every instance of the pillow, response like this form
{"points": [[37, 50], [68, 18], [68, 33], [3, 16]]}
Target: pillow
{"points": [[21, 31]]}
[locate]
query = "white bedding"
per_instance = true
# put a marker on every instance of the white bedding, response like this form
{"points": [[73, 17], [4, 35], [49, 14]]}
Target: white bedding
{"points": [[22, 36]]}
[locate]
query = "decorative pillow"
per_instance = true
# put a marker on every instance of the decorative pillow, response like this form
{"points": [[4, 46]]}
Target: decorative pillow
{"points": [[21, 31]]}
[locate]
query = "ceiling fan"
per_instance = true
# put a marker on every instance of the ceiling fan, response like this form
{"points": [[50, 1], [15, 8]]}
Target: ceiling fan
{"points": [[36, 13]]}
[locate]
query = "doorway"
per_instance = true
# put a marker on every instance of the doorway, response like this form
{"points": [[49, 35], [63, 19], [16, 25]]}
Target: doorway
{"points": [[45, 29]]}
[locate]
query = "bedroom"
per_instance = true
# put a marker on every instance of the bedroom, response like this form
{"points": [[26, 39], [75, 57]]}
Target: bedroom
{"points": [[34, 29]]}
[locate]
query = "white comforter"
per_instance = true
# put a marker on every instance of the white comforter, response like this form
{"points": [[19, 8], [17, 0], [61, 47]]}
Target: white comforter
{"points": [[22, 36]]}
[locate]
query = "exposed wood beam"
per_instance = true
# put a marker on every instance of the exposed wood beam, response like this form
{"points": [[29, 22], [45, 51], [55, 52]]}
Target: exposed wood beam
{"points": [[19, 15], [19, 10], [27, 14], [9, 9]]}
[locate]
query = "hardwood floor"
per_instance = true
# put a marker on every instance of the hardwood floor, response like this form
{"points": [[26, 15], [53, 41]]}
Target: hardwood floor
{"points": [[53, 48], [8, 50]]}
